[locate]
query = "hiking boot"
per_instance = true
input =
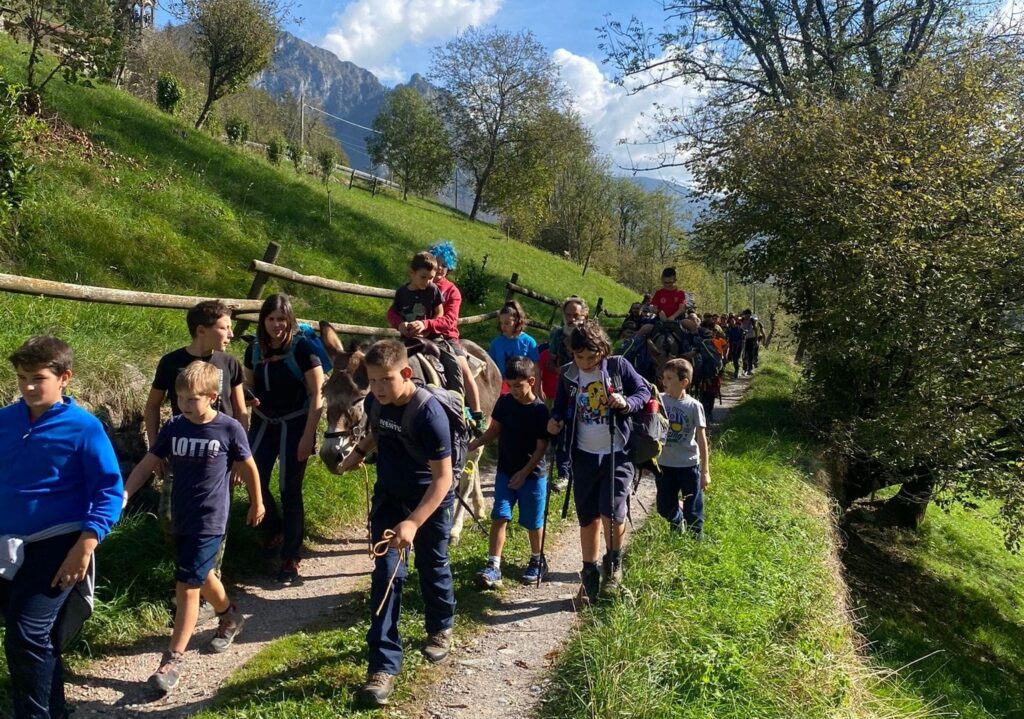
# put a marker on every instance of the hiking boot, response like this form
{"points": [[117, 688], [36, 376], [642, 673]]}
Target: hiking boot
{"points": [[289, 573], [271, 544], [438, 645], [561, 484], [228, 628], [590, 579], [612, 577], [489, 577], [167, 676], [206, 612], [536, 570], [377, 689]]}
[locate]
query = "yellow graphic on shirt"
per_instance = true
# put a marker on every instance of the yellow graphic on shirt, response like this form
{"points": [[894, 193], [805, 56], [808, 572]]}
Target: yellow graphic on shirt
{"points": [[592, 404]]}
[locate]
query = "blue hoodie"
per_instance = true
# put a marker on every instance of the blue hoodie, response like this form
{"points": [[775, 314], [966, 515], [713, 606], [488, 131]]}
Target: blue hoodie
{"points": [[60, 468]]}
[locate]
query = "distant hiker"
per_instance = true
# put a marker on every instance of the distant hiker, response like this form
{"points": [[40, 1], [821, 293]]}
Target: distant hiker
{"points": [[60, 494], [710, 383], [684, 460], [284, 371], [209, 325], [749, 325], [574, 311], [514, 342], [412, 505], [204, 447], [735, 335], [444, 330], [669, 300], [595, 395], [519, 422]]}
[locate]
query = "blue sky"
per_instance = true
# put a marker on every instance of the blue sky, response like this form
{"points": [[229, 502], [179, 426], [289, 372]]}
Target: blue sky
{"points": [[393, 39]]}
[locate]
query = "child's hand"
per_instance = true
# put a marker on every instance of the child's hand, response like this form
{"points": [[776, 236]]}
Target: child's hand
{"points": [[416, 328], [352, 460], [74, 567], [306, 446], [554, 427], [518, 479], [617, 401], [256, 514], [705, 480], [405, 532]]}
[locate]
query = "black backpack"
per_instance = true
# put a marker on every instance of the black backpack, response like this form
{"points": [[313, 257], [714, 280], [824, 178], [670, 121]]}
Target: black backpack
{"points": [[454, 409], [648, 427]]}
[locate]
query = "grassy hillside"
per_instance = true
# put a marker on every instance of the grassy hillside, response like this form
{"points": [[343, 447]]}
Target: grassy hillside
{"points": [[751, 622], [148, 203]]}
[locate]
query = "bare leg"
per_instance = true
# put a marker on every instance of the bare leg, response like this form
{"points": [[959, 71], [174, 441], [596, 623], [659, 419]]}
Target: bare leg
{"points": [[536, 537], [497, 543], [590, 541], [213, 591], [620, 533], [185, 616]]}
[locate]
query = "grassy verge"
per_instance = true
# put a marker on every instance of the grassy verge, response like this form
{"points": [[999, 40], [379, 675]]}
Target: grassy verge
{"points": [[315, 674], [947, 603], [752, 622]]}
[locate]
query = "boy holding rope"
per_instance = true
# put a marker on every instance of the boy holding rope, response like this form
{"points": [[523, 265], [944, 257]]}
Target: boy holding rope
{"points": [[412, 505]]}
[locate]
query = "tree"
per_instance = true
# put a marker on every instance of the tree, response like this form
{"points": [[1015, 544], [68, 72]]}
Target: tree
{"points": [[83, 30], [582, 208], [325, 162], [233, 40], [411, 139], [893, 224], [493, 82]]}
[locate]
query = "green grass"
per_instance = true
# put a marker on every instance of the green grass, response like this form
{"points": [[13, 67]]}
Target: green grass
{"points": [[315, 674], [949, 602], [750, 622]]}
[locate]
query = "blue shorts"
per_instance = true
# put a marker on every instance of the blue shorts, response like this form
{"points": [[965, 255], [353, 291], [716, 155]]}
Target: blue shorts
{"points": [[530, 497], [196, 554]]}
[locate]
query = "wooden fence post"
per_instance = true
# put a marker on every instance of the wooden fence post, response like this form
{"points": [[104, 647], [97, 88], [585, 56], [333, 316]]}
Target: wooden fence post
{"points": [[510, 294], [598, 308], [374, 193], [259, 281], [351, 179]]}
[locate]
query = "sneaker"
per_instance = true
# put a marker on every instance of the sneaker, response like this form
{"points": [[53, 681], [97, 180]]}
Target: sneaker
{"points": [[206, 612], [560, 485], [167, 676], [612, 577], [536, 570], [489, 577], [377, 689], [590, 579], [438, 645], [289, 573], [228, 628]]}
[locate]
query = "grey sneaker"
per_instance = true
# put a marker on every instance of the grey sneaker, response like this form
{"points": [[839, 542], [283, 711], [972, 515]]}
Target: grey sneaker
{"points": [[227, 629], [438, 645], [206, 612], [377, 689], [167, 676], [612, 577]]}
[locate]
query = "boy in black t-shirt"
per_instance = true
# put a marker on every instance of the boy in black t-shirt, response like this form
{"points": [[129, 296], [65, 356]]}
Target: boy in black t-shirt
{"points": [[519, 421], [412, 505], [204, 446], [418, 300]]}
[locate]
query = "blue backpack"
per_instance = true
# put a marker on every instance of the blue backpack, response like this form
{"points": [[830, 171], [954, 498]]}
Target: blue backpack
{"points": [[307, 332]]}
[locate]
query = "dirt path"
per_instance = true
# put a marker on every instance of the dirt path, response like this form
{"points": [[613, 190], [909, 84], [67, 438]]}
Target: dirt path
{"points": [[502, 672]]}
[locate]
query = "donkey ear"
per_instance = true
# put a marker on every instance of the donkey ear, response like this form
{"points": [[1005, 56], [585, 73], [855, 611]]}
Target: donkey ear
{"points": [[332, 343], [341, 360], [358, 371]]}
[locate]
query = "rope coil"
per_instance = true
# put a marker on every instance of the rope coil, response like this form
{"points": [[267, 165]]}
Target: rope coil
{"points": [[379, 550]]}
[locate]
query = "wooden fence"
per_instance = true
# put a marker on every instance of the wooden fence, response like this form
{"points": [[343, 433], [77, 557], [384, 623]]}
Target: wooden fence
{"points": [[513, 288]]}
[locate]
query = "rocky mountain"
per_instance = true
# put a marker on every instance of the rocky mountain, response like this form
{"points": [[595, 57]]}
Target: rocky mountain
{"points": [[341, 88]]}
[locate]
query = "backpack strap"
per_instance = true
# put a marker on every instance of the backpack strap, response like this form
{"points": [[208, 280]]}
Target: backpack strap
{"points": [[411, 411]]}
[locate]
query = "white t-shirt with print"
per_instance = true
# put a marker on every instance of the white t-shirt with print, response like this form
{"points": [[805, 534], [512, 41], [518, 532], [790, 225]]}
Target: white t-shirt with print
{"points": [[684, 417], [592, 415]]}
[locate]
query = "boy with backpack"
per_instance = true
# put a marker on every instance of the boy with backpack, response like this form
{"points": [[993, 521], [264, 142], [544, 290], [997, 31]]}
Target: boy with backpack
{"points": [[418, 451], [204, 447], [519, 422], [684, 459]]}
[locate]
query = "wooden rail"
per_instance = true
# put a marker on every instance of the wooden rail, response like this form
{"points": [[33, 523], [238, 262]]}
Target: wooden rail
{"points": [[86, 293], [527, 292], [322, 282]]}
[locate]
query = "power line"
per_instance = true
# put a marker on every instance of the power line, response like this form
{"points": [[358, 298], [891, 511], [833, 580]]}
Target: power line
{"points": [[342, 119], [340, 142]]}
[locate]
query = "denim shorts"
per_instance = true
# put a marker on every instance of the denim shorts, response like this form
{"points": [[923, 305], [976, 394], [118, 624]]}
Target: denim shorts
{"points": [[530, 497], [196, 554]]}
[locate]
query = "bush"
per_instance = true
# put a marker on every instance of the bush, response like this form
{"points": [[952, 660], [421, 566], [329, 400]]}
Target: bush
{"points": [[296, 153], [275, 149], [15, 169], [237, 130], [325, 162], [169, 93], [473, 282]]}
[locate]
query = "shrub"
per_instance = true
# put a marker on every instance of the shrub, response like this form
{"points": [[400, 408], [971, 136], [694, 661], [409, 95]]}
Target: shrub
{"points": [[169, 93], [325, 161], [275, 149], [296, 153], [15, 169], [237, 130], [473, 281]]}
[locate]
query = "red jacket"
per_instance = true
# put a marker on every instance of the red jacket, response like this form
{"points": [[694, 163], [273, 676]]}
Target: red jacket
{"points": [[447, 325]]}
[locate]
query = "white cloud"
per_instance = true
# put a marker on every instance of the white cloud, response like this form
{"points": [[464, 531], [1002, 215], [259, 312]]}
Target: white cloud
{"points": [[370, 32], [613, 114]]}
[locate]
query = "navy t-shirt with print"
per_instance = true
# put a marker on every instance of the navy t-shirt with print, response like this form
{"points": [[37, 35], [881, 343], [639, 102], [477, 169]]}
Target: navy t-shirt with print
{"points": [[397, 472], [521, 426], [201, 456], [276, 386], [172, 364], [417, 304]]}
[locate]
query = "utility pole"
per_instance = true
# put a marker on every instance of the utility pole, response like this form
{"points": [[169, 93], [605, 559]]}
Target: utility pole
{"points": [[302, 121], [456, 188]]}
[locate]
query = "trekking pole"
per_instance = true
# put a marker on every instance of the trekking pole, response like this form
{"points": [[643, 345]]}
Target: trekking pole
{"points": [[611, 475], [547, 503], [568, 485]]}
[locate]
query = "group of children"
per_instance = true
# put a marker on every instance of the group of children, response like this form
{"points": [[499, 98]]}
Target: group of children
{"points": [[61, 490]]}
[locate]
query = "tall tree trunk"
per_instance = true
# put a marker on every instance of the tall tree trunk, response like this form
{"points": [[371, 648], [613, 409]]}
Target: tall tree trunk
{"points": [[908, 507], [204, 113]]}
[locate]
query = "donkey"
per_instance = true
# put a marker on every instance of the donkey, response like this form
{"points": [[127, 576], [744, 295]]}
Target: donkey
{"points": [[345, 390]]}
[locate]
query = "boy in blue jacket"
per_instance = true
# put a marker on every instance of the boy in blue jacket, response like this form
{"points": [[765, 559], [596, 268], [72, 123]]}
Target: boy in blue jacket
{"points": [[60, 494], [596, 394]]}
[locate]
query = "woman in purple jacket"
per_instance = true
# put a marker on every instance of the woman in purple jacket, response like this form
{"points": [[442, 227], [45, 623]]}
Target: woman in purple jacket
{"points": [[596, 394]]}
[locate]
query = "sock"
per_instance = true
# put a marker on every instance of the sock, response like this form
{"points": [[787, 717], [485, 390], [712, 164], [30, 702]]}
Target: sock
{"points": [[615, 556], [494, 561], [536, 556], [590, 565], [231, 608]]}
